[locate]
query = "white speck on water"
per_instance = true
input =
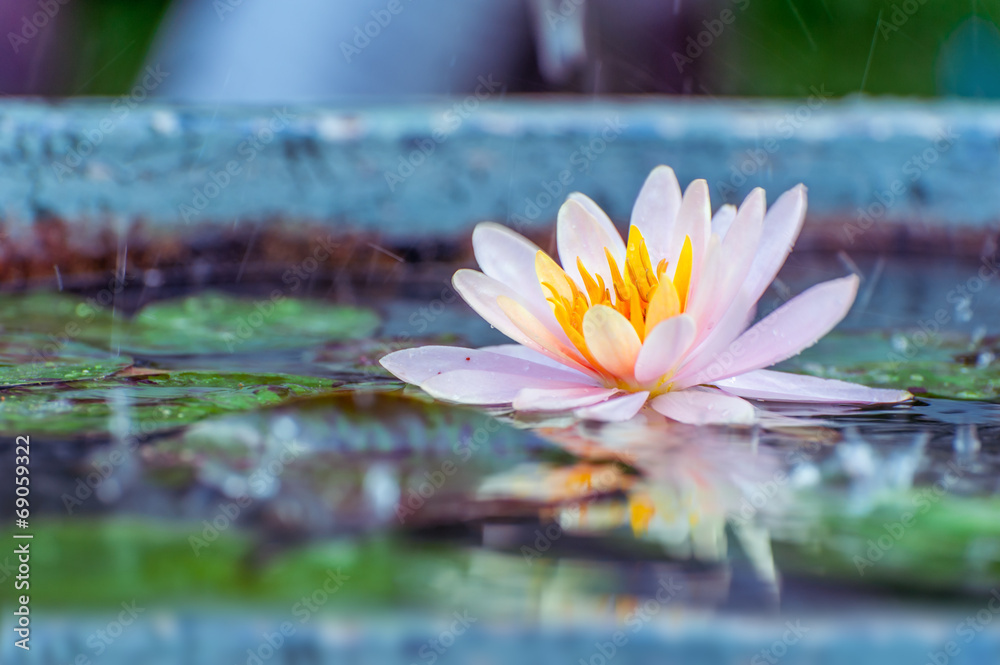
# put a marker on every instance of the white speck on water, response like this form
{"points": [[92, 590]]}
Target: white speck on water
{"points": [[382, 490], [966, 441], [984, 359], [165, 123], [285, 428]]}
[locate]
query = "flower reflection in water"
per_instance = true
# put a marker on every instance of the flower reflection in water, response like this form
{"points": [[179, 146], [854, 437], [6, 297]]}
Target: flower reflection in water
{"points": [[692, 494]]}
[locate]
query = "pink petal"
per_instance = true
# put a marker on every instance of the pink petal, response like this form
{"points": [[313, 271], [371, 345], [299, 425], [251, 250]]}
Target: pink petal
{"points": [[782, 225], [737, 299], [664, 347], [655, 213], [524, 353], [581, 234], [509, 258], [612, 340], [694, 219], [488, 387], [785, 332], [723, 220], [738, 251], [717, 349], [698, 406], [616, 409], [783, 387], [482, 293], [420, 364], [535, 399]]}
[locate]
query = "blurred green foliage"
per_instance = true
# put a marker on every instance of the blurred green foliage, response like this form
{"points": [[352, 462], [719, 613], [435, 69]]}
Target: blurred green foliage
{"points": [[108, 44], [901, 47]]}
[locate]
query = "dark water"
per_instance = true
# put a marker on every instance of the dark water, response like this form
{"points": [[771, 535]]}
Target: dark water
{"points": [[850, 520]]}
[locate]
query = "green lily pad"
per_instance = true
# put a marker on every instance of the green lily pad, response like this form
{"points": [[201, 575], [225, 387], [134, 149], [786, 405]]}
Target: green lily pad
{"points": [[34, 359], [58, 314], [151, 403], [944, 366], [217, 323], [208, 323]]}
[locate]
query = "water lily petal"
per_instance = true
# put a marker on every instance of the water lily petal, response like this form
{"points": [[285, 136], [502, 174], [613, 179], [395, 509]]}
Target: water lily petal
{"points": [[579, 233], [694, 219], [487, 387], [612, 340], [766, 384], [738, 250], [723, 220], [540, 399], [770, 238], [482, 293], [781, 227], [616, 409], [697, 406], [524, 353], [509, 258], [420, 364], [785, 332], [664, 347], [655, 213]]}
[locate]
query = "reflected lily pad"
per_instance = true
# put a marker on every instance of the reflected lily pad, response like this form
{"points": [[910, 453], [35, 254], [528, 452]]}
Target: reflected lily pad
{"points": [[151, 403], [940, 366], [34, 359]]}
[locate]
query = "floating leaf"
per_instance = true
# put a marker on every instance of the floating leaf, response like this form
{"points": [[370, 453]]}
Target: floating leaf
{"points": [[217, 323], [938, 367], [151, 403], [34, 359], [209, 323]]}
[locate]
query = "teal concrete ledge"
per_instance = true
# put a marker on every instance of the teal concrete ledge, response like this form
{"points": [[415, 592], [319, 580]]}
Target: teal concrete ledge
{"points": [[438, 167]]}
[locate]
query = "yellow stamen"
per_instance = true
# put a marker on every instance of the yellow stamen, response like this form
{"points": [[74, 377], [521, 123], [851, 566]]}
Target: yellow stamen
{"points": [[640, 292], [682, 278]]}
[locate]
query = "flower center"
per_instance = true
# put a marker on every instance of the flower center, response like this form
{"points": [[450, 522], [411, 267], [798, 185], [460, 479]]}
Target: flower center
{"points": [[643, 295]]}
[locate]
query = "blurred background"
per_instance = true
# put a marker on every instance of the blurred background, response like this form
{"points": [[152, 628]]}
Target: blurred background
{"points": [[310, 50]]}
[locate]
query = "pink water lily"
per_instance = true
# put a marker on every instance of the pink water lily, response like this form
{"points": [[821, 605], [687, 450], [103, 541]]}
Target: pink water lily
{"points": [[661, 319]]}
